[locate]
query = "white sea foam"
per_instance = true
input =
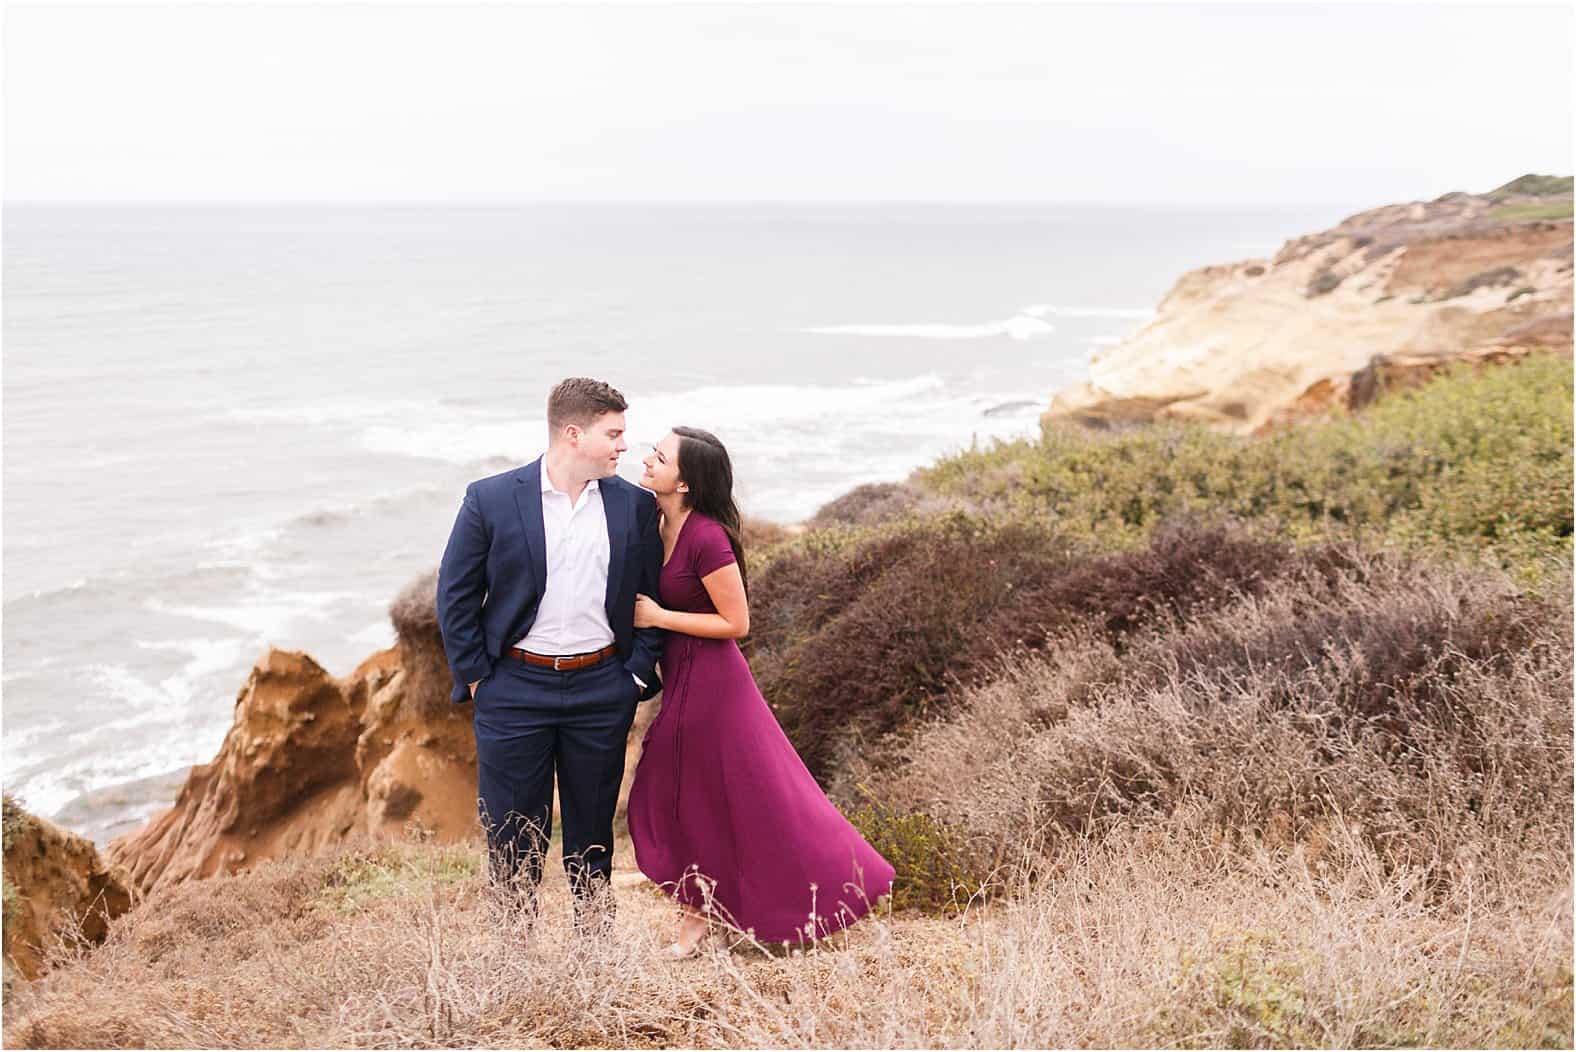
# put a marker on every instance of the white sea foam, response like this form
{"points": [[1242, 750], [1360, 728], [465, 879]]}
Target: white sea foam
{"points": [[175, 693], [459, 437], [264, 616], [208, 656], [1023, 326], [760, 407], [242, 546], [158, 717], [1040, 310], [886, 444], [99, 758], [22, 746], [471, 438]]}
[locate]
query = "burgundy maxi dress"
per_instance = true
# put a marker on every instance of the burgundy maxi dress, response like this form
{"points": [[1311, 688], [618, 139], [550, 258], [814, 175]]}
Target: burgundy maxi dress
{"points": [[722, 810]]}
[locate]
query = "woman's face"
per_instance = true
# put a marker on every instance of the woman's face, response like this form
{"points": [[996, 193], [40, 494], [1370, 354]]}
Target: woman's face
{"points": [[662, 468]]}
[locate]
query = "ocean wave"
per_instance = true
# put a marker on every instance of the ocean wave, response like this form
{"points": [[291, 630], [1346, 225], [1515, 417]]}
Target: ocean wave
{"points": [[1014, 407], [717, 407], [1040, 310], [166, 723], [80, 584], [461, 438], [50, 764], [348, 411], [239, 547], [18, 742], [1023, 326], [208, 657], [1027, 324], [262, 617], [98, 758]]}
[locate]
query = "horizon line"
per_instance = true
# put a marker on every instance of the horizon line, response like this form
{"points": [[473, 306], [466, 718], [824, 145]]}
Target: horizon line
{"points": [[9, 201]]}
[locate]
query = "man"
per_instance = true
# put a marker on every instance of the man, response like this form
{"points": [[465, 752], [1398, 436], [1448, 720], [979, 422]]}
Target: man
{"points": [[536, 601]]}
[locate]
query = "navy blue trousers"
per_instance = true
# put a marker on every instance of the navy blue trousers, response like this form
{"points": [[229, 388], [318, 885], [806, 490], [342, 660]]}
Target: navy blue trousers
{"points": [[532, 725]]}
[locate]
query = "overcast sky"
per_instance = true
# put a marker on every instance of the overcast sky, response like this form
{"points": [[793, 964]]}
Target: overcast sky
{"points": [[1120, 103]]}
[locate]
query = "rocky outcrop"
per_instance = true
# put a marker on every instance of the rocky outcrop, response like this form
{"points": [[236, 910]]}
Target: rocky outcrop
{"points": [[312, 761], [1386, 297], [56, 884]]}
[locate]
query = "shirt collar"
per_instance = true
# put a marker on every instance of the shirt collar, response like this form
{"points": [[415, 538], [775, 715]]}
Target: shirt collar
{"points": [[547, 484]]}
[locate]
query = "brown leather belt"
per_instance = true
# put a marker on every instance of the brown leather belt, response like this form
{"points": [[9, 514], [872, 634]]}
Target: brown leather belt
{"points": [[564, 663]]}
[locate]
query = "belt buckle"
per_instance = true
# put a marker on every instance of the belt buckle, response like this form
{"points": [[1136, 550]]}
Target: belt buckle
{"points": [[556, 660]]}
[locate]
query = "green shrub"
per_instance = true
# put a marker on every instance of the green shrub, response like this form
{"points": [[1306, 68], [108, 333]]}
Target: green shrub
{"points": [[1532, 210], [1325, 281], [360, 877], [12, 819], [935, 871], [1255, 980], [1535, 186], [1473, 462]]}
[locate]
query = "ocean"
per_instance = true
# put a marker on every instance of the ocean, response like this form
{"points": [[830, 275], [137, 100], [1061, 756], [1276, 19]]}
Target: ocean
{"points": [[229, 427]]}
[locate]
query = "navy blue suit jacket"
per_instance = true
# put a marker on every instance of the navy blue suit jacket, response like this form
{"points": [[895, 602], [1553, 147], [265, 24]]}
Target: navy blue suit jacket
{"points": [[494, 572]]}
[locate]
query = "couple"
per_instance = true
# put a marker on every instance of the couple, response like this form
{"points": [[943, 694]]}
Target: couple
{"points": [[561, 590]]}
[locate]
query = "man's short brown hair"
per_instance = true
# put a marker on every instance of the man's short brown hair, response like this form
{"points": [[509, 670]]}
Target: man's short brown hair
{"points": [[579, 400]]}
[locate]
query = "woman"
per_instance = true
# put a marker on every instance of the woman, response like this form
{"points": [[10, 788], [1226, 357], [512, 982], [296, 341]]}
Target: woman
{"points": [[722, 812]]}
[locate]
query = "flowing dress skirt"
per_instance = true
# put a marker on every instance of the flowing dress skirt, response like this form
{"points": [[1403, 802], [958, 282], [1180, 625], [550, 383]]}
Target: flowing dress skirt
{"points": [[724, 814]]}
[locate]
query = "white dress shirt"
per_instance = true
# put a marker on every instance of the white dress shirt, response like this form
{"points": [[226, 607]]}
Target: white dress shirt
{"points": [[572, 617]]}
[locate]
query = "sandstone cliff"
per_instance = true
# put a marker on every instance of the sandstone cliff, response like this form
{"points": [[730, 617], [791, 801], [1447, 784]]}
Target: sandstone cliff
{"points": [[312, 761], [1387, 295], [56, 884]]}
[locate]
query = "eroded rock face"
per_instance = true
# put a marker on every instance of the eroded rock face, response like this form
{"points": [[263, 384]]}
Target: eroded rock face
{"points": [[1387, 296], [56, 882], [284, 780], [311, 761]]}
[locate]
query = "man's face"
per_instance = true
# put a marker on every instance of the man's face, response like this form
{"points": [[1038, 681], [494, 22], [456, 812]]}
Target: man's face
{"points": [[601, 444]]}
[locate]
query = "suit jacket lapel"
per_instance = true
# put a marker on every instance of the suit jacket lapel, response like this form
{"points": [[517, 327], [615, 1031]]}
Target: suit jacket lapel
{"points": [[528, 495], [616, 506]]}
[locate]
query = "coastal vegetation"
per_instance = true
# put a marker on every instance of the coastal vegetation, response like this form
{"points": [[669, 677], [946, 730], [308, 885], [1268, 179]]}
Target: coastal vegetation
{"points": [[1177, 738], [12, 818], [1534, 185], [1530, 211], [1476, 464]]}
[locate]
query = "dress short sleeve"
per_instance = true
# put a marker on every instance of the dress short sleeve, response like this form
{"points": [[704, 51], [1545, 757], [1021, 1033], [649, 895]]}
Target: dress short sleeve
{"points": [[713, 550]]}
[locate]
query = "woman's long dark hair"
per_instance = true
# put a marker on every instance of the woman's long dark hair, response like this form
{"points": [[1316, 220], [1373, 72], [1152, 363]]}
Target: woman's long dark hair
{"points": [[706, 470]]}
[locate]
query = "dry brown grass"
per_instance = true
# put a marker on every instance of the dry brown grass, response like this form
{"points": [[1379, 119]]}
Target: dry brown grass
{"points": [[1423, 708], [1146, 938]]}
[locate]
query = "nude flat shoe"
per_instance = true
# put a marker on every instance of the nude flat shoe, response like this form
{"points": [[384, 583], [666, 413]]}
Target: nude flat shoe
{"points": [[674, 952]]}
